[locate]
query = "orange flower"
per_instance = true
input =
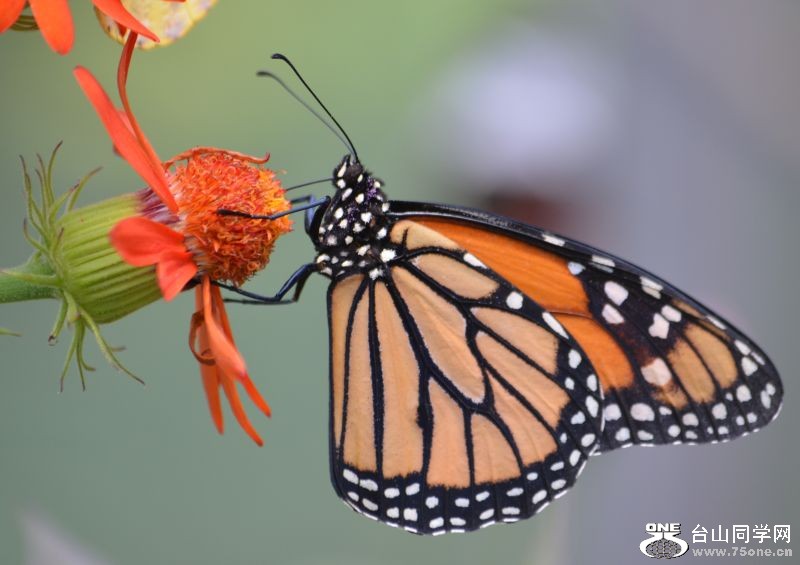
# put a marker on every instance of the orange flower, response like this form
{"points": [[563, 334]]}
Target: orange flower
{"points": [[54, 19], [179, 231]]}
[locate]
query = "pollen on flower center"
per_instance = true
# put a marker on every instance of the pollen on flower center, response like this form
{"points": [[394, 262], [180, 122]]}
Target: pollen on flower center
{"points": [[227, 248]]}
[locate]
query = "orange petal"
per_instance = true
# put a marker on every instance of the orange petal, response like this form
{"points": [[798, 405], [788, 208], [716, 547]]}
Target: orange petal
{"points": [[211, 382], [174, 271], [226, 355], [256, 397], [122, 80], [55, 22], [125, 141], [143, 242], [117, 12], [252, 391], [229, 387], [9, 12]]}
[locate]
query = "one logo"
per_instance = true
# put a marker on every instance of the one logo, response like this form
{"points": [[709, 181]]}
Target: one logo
{"points": [[663, 541]]}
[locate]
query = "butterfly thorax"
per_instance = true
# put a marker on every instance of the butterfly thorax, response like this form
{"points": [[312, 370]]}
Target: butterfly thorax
{"points": [[352, 232]]}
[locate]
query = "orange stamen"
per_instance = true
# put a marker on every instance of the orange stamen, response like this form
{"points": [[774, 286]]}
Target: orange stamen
{"points": [[55, 22]]}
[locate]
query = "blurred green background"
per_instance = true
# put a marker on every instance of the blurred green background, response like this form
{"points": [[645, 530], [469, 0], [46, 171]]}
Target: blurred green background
{"points": [[693, 172]]}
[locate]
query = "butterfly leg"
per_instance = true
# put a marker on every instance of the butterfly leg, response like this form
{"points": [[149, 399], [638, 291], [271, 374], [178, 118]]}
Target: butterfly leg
{"points": [[297, 281]]}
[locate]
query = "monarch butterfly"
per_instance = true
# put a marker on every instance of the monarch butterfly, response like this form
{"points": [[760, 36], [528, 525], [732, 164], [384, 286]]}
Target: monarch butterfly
{"points": [[477, 362]]}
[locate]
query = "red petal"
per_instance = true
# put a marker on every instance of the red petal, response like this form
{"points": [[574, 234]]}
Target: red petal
{"points": [[173, 272], [256, 397], [9, 12], [117, 12], [223, 350], [55, 22], [252, 391], [229, 387], [143, 242], [122, 80], [211, 382], [125, 141]]}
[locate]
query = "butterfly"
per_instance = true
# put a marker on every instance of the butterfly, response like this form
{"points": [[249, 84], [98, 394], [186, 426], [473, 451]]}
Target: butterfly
{"points": [[477, 362]]}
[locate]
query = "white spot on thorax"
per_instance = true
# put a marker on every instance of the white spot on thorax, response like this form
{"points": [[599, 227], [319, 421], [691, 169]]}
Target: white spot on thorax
{"points": [[387, 255]]}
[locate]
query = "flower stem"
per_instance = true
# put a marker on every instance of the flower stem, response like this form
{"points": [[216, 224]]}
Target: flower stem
{"points": [[17, 284]]}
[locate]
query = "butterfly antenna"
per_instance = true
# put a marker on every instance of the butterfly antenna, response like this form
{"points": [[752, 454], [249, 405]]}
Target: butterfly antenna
{"points": [[335, 121], [308, 107]]}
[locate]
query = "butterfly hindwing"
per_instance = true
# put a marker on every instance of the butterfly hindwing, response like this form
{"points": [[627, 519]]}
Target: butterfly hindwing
{"points": [[456, 400], [671, 370]]}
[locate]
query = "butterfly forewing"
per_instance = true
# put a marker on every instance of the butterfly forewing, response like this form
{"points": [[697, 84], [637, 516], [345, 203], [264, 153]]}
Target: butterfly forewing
{"points": [[671, 371], [456, 401]]}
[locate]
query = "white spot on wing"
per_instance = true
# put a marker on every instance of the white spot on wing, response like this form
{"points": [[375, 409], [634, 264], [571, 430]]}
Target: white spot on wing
{"points": [[748, 366], [553, 240], [553, 323], [616, 292], [575, 268], [592, 406], [642, 412], [474, 261], [671, 313], [612, 412], [514, 300], [660, 327], [657, 373], [612, 315]]}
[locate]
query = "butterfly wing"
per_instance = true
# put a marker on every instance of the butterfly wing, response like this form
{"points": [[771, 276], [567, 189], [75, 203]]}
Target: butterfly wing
{"points": [[671, 370], [456, 401]]}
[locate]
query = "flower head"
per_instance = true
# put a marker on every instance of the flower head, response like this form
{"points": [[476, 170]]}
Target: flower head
{"points": [[109, 259], [54, 19], [177, 229]]}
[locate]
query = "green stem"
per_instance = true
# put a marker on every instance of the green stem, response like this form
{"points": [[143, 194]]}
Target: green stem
{"points": [[15, 289]]}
